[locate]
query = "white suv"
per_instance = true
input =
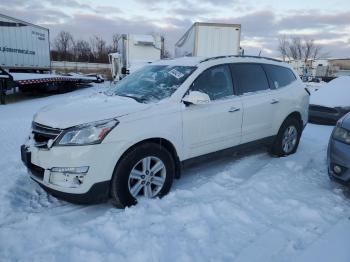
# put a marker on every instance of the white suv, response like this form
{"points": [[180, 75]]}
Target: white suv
{"points": [[131, 141]]}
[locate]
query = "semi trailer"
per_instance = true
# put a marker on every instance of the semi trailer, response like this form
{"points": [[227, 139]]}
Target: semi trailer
{"points": [[135, 51], [209, 39], [25, 59]]}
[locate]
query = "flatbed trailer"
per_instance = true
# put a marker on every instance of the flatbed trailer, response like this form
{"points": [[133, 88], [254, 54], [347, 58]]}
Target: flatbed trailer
{"points": [[27, 82], [25, 62]]}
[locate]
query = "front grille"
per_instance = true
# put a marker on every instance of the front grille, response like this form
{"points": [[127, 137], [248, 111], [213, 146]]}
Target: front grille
{"points": [[42, 134], [323, 109]]}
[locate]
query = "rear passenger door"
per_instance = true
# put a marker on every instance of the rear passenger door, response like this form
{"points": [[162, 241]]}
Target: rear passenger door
{"points": [[282, 83], [259, 102]]}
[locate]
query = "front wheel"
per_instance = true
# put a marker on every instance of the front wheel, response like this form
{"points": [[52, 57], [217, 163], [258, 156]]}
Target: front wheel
{"points": [[287, 139], [146, 171]]}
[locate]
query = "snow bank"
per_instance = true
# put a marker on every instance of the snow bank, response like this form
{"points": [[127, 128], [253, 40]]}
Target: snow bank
{"points": [[334, 94], [245, 207]]}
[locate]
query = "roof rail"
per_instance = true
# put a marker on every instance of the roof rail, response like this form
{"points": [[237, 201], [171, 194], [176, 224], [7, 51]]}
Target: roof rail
{"points": [[241, 56]]}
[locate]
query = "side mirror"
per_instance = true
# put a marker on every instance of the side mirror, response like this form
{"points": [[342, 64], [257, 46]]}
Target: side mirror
{"points": [[196, 98]]}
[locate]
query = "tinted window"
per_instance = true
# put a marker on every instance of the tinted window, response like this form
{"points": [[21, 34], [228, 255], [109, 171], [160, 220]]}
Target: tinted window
{"points": [[215, 82], [249, 77], [279, 76]]}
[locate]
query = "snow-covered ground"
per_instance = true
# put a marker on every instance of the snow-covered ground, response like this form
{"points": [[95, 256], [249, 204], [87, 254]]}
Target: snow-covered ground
{"points": [[246, 207]]}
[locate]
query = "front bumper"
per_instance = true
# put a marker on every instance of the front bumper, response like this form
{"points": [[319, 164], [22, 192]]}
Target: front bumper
{"points": [[100, 159], [339, 155], [99, 192]]}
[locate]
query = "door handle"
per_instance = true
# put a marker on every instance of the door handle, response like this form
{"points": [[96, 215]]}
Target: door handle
{"points": [[233, 109], [274, 101]]}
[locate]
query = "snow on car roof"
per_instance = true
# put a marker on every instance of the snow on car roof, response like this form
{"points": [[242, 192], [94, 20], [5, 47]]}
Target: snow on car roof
{"points": [[336, 93]]}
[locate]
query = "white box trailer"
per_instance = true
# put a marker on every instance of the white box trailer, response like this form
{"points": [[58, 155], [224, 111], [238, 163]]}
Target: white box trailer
{"points": [[23, 45], [25, 60], [209, 39], [136, 50]]}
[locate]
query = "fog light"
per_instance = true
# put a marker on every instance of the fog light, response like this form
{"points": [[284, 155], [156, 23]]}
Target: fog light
{"points": [[71, 177], [337, 169]]}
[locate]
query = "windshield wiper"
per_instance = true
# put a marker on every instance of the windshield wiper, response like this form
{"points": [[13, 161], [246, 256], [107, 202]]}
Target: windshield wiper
{"points": [[137, 99]]}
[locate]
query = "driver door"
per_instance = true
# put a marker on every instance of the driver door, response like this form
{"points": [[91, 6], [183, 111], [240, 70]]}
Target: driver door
{"points": [[217, 124]]}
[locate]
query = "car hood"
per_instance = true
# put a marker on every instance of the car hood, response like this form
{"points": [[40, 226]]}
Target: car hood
{"points": [[85, 110]]}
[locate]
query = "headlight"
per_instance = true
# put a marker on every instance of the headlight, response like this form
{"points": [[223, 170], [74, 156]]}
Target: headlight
{"points": [[341, 135], [86, 134]]}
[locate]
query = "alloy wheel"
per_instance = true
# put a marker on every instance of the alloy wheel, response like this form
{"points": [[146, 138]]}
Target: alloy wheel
{"points": [[289, 140], [147, 177]]}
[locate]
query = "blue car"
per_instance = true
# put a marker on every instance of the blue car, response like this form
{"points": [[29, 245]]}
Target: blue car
{"points": [[339, 152]]}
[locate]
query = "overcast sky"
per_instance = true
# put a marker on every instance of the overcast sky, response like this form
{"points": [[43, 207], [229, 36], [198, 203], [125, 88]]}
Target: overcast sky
{"points": [[328, 22]]}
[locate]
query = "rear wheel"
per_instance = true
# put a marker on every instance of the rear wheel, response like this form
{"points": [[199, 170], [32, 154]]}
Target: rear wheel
{"points": [[288, 137], [146, 171]]}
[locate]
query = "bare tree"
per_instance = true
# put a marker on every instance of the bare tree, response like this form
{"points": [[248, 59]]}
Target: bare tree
{"points": [[298, 49], [82, 51], [294, 48], [63, 43], [317, 52], [283, 47], [115, 41], [99, 49]]}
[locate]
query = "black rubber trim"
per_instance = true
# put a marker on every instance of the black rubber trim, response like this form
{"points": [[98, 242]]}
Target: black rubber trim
{"points": [[264, 142], [338, 180], [98, 193]]}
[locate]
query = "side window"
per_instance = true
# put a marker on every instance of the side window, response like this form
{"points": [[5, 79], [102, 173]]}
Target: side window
{"points": [[249, 77], [279, 76], [215, 82]]}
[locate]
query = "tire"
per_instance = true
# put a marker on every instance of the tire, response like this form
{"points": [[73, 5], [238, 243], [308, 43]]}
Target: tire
{"points": [[279, 147], [123, 184]]}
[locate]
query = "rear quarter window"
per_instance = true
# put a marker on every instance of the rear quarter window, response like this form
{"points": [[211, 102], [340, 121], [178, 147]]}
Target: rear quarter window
{"points": [[279, 76]]}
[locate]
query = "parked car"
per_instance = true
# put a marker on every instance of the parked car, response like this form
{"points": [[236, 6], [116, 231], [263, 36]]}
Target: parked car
{"points": [[130, 142], [99, 78], [330, 102], [339, 152]]}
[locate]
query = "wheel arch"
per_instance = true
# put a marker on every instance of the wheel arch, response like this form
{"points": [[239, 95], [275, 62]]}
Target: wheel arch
{"points": [[169, 146], [274, 146], [295, 115]]}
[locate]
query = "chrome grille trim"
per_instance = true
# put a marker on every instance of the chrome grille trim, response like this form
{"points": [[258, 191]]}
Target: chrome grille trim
{"points": [[42, 134]]}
